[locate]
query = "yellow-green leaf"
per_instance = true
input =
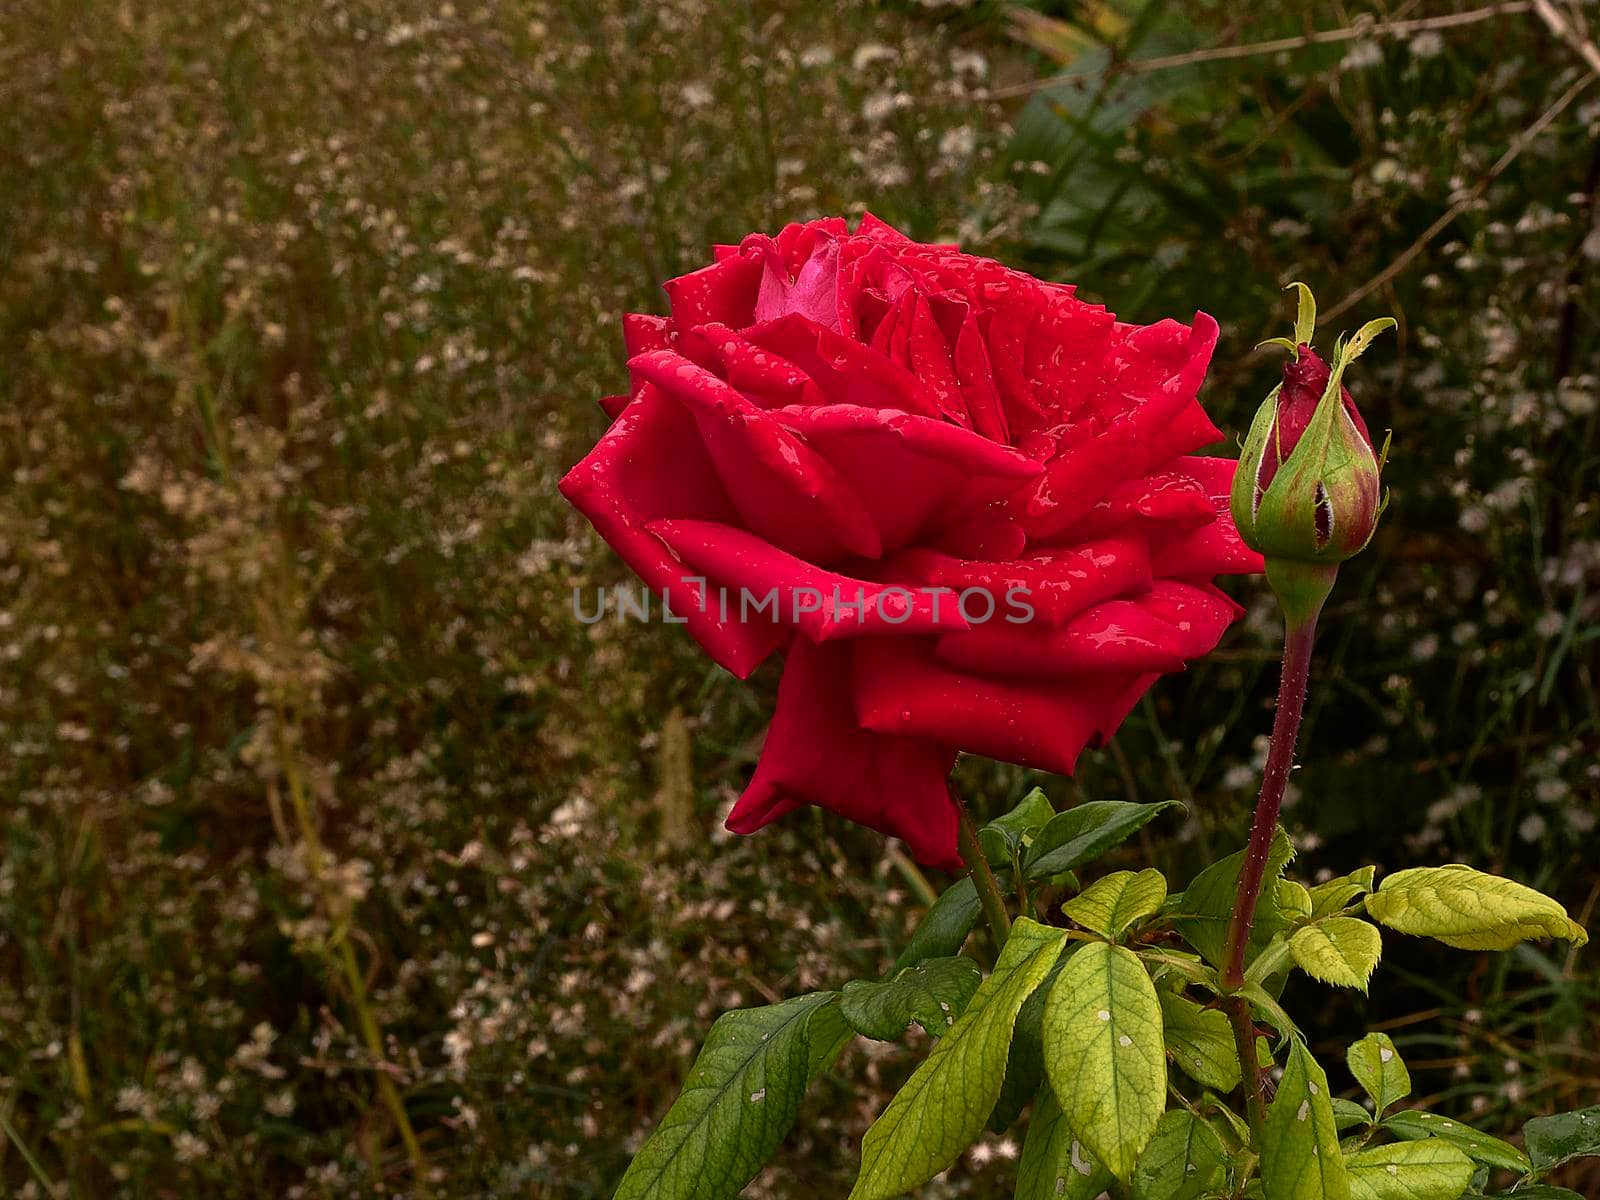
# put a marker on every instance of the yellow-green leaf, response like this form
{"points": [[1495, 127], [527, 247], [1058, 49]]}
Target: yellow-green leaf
{"points": [[944, 1105], [1184, 1160], [1294, 902], [1054, 1165], [1364, 336], [1378, 1068], [1469, 909], [1342, 951], [1330, 896], [1104, 1055], [1426, 1170], [1305, 321], [1203, 912], [1200, 1041], [1111, 904], [1300, 1143]]}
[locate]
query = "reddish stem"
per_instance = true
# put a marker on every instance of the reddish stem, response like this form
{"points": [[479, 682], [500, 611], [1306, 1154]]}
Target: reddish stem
{"points": [[1297, 644]]}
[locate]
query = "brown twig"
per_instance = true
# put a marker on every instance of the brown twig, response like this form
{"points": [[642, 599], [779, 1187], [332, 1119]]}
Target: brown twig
{"points": [[1563, 29], [1473, 194], [1360, 29]]}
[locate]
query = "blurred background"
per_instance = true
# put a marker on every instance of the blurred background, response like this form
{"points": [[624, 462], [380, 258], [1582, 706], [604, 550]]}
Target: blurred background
{"points": [[338, 856]]}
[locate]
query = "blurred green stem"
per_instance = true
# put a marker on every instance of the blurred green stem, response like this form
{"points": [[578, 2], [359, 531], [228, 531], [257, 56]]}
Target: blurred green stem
{"points": [[912, 874], [994, 904], [15, 1138], [371, 1032]]}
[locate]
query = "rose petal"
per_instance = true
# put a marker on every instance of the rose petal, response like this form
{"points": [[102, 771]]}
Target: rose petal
{"points": [[872, 227], [927, 354], [825, 605], [989, 534], [911, 472], [815, 754], [845, 370], [1154, 427], [1155, 632], [766, 379], [901, 689], [813, 293], [782, 489], [1211, 549], [1168, 498], [619, 498], [724, 292], [1048, 588], [642, 332], [975, 374], [1214, 549]]}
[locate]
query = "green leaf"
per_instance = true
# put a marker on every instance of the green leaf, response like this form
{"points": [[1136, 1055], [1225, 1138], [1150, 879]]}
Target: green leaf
{"points": [[1379, 1070], [1104, 1055], [1084, 833], [1342, 951], [1200, 1041], [933, 994], [1054, 1165], [1412, 1124], [1300, 1142], [1305, 321], [944, 1104], [944, 930], [1110, 904], [1267, 1007], [1205, 909], [1025, 1065], [1537, 1191], [1184, 1160], [1469, 909], [1239, 1126], [1003, 836], [1294, 902], [1347, 1114], [1554, 1140], [1364, 336], [1428, 1170], [738, 1101], [1190, 968], [1330, 896]]}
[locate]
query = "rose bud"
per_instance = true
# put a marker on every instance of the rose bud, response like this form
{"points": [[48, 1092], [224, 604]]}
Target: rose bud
{"points": [[1307, 490]]}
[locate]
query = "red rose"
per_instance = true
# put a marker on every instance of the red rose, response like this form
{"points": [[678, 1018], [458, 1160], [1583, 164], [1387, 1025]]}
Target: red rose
{"points": [[856, 411]]}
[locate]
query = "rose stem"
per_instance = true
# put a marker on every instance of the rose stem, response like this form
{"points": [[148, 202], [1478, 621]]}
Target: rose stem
{"points": [[1297, 643], [994, 905]]}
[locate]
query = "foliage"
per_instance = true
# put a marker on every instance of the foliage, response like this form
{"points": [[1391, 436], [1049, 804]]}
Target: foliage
{"points": [[1104, 1117]]}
